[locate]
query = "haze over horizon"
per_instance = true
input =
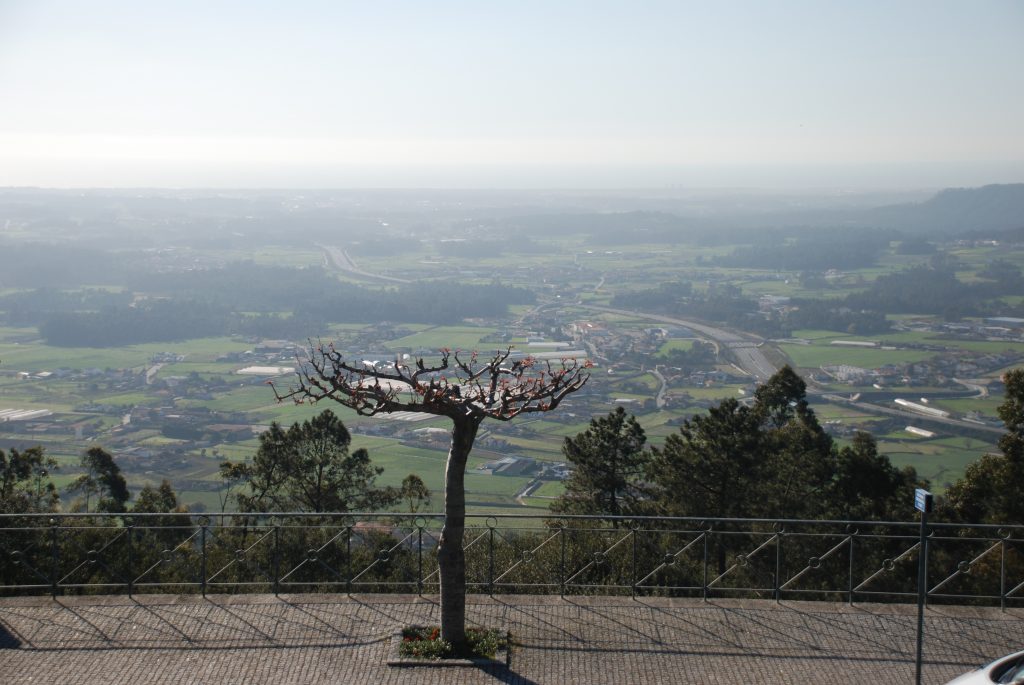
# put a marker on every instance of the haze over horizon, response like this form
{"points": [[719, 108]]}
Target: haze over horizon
{"points": [[461, 95]]}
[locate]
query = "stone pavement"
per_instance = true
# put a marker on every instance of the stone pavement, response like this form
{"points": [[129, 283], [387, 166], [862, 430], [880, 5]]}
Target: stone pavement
{"points": [[345, 640]]}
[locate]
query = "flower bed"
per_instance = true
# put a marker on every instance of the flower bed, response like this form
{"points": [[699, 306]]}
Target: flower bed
{"points": [[423, 645]]}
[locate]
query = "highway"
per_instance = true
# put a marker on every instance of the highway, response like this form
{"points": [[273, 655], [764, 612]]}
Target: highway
{"points": [[912, 417], [341, 261], [752, 360], [745, 350]]}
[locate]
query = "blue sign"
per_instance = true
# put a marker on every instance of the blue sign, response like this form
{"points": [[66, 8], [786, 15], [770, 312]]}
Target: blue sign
{"points": [[922, 500]]}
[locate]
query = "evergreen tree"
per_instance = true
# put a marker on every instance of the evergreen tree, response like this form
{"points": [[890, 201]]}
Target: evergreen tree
{"points": [[774, 460], [25, 484], [711, 466], [609, 464], [989, 492], [103, 480], [867, 486], [308, 468]]}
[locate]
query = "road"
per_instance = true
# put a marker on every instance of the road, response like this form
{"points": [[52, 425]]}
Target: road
{"points": [[341, 261], [659, 401], [745, 350], [911, 417], [982, 390], [752, 360]]}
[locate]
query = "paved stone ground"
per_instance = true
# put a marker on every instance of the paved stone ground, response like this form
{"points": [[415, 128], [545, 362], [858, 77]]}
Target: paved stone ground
{"points": [[345, 639]]}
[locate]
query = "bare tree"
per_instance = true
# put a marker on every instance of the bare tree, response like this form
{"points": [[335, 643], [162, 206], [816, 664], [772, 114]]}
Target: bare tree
{"points": [[466, 390]]}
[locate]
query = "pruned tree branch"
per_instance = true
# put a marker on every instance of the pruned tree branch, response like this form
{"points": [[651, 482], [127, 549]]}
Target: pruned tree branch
{"points": [[499, 387]]}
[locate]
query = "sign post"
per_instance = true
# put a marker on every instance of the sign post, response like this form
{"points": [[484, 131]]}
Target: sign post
{"points": [[923, 503]]}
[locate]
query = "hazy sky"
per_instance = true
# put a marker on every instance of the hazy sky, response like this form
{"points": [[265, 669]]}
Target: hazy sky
{"points": [[511, 94]]}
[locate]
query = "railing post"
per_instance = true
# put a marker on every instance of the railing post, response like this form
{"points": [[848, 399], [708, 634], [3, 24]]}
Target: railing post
{"points": [[419, 562], [849, 586], [202, 556], [54, 558], [561, 571], [348, 560], [926, 551], [130, 529], [922, 586], [1002, 574], [277, 560], [704, 581], [490, 561], [632, 584], [778, 566]]}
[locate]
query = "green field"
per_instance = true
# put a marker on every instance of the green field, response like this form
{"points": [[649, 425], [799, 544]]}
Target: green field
{"points": [[36, 357], [815, 356], [683, 344]]}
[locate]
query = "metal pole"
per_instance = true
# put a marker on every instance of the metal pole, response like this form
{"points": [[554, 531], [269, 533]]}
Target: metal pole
{"points": [[922, 590], [561, 578], [277, 560], [54, 563], [633, 583], [348, 560], [778, 566], [131, 580], [1002, 575], [704, 582], [849, 586], [490, 563], [419, 565], [202, 569]]}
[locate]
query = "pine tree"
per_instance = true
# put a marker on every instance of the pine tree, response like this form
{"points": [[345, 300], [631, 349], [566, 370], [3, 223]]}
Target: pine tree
{"points": [[609, 465]]}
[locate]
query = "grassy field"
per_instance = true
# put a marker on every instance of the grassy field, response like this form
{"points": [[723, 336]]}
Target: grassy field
{"points": [[38, 357], [815, 356], [683, 344]]}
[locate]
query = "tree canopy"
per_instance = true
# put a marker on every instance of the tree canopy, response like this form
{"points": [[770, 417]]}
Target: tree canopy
{"points": [[25, 485], [768, 459], [989, 492], [308, 467], [463, 387], [609, 465], [103, 481]]}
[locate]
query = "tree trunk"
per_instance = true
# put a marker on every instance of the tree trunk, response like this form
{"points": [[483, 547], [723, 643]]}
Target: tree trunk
{"points": [[451, 557]]}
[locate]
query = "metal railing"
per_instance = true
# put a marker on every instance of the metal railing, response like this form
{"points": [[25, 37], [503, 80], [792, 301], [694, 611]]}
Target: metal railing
{"points": [[387, 552]]}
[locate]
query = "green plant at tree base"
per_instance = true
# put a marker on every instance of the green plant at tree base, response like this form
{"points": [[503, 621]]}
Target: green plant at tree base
{"points": [[424, 642]]}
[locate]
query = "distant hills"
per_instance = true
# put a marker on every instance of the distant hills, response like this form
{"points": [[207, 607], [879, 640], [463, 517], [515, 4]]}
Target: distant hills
{"points": [[979, 212], [954, 211], [992, 211]]}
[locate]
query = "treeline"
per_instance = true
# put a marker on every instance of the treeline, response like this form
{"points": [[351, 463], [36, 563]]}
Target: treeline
{"points": [[305, 468], [771, 459], [721, 302], [931, 288], [167, 321], [54, 266], [833, 250], [164, 320], [33, 307], [430, 302], [826, 314], [241, 286], [934, 289]]}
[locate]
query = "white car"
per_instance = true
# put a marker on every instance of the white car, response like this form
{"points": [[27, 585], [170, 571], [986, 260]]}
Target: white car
{"points": [[1008, 669]]}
